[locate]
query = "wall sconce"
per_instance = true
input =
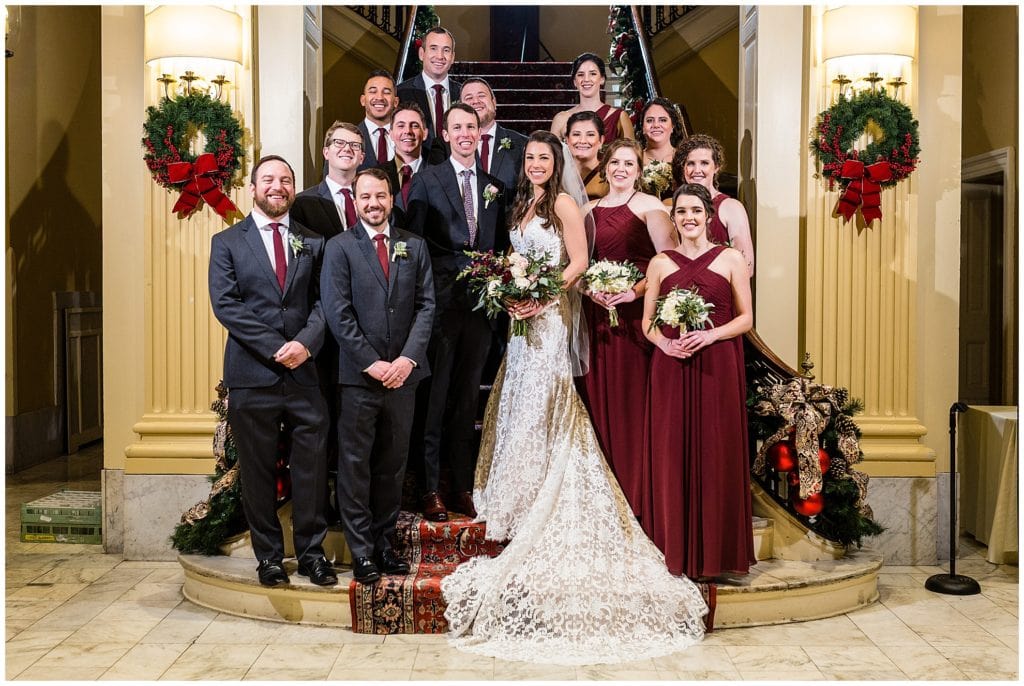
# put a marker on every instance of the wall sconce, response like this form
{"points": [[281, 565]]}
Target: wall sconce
{"points": [[869, 43], [12, 28], [195, 38]]}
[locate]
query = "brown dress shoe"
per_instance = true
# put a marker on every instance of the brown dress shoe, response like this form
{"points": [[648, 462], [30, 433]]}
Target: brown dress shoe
{"points": [[433, 507], [464, 504]]}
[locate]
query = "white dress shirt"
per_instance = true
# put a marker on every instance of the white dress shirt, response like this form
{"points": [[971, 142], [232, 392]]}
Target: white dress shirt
{"points": [[446, 94], [472, 183], [372, 128], [339, 199], [263, 224], [491, 144]]}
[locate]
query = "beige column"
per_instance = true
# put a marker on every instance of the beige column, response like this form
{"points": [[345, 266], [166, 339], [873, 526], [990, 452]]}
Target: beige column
{"points": [[881, 301]]}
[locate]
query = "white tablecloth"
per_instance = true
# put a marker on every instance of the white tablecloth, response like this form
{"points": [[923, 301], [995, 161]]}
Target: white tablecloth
{"points": [[987, 462]]}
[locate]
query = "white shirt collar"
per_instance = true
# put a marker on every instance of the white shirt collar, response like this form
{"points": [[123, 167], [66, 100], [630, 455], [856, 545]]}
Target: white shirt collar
{"points": [[490, 130], [262, 220], [429, 83], [459, 168], [372, 232], [335, 187], [372, 127]]}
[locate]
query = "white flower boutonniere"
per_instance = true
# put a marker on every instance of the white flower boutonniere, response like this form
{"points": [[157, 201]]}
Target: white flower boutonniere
{"points": [[401, 251], [490, 195], [295, 241], [505, 143]]}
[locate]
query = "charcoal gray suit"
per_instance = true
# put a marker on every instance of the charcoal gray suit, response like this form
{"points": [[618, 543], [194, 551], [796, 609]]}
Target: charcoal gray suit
{"points": [[374, 319], [263, 394]]}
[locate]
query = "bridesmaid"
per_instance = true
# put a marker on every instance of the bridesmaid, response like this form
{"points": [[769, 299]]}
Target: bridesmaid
{"points": [[588, 78], [584, 134], [661, 132], [697, 480], [698, 160], [630, 226]]}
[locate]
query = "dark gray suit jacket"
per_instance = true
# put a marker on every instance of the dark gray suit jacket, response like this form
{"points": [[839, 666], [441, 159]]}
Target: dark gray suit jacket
{"points": [[369, 148], [373, 318], [436, 212], [315, 209], [259, 318], [411, 90], [507, 163]]}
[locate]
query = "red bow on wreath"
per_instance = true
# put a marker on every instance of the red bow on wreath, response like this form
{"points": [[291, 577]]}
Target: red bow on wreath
{"points": [[199, 186], [864, 191]]}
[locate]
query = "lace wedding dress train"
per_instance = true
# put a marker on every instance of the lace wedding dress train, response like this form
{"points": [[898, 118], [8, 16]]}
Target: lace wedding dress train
{"points": [[580, 582]]}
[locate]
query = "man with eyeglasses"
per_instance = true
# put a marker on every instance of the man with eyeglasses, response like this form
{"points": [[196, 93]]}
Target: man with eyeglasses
{"points": [[329, 207]]}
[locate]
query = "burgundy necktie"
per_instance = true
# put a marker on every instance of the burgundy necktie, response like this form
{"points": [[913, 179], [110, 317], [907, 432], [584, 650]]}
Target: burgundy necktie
{"points": [[280, 263], [406, 172], [438, 109], [350, 208], [382, 145], [485, 152], [382, 254], [467, 204]]}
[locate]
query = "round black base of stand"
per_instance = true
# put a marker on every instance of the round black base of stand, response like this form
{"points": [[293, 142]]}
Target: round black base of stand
{"points": [[952, 584]]}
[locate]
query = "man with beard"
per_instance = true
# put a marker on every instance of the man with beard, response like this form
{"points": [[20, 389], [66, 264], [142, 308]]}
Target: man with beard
{"points": [[265, 289], [500, 149], [378, 299], [456, 207], [379, 101], [408, 129]]}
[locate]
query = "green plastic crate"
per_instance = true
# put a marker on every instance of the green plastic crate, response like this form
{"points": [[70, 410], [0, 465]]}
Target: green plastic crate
{"points": [[63, 517], [61, 533]]}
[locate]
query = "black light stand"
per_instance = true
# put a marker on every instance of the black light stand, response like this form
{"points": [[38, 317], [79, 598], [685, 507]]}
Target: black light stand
{"points": [[952, 583]]}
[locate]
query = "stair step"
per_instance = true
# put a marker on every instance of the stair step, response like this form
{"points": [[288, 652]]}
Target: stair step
{"points": [[529, 81], [485, 67]]}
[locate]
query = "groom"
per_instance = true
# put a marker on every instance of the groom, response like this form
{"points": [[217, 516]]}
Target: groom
{"points": [[456, 207]]}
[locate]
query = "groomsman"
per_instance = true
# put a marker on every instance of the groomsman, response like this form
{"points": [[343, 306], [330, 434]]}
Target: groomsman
{"points": [[329, 207], [456, 207], [378, 298], [500, 149], [433, 90], [264, 284], [408, 131], [379, 101]]}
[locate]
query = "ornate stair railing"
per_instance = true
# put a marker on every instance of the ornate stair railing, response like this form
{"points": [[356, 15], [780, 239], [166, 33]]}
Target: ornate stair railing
{"points": [[391, 19], [405, 45], [657, 18]]}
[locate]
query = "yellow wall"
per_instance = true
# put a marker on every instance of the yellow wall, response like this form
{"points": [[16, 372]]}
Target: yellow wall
{"points": [[53, 185], [707, 85], [990, 109]]}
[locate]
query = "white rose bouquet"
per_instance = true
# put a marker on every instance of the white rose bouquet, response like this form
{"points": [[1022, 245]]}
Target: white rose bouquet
{"points": [[683, 309], [656, 177], [607, 276], [498, 279]]}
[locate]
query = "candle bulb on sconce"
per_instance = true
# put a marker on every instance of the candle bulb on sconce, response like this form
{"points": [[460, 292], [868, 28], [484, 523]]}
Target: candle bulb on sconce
{"points": [[197, 39], [842, 82]]}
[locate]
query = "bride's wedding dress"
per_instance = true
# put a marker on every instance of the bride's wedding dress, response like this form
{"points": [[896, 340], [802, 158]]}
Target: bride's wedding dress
{"points": [[579, 583]]}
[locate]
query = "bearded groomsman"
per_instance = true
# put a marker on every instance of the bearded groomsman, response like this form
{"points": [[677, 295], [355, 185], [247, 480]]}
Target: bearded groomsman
{"points": [[456, 207], [500, 149], [264, 284], [432, 89], [329, 207], [378, 298], [379, 101]]}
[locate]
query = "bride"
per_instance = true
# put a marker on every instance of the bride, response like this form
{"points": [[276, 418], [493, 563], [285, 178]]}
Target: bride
{"points": [[579, 583]]}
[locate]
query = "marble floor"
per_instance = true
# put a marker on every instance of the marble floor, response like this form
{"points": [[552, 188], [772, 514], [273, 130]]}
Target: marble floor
{"points": [[75, 613]]}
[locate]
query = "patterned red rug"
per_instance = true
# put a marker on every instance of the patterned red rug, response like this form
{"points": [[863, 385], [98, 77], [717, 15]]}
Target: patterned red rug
{"points": [[413, 604]]}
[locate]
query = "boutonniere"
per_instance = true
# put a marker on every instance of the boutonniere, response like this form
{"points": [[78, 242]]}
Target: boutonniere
{"points": [[401, 250], [490, 195], [505, 143], [298, 245]]}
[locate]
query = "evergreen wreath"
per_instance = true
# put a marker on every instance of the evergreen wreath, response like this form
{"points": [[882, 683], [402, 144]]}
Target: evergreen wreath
{"points": [[843, 123], [168, 130]]}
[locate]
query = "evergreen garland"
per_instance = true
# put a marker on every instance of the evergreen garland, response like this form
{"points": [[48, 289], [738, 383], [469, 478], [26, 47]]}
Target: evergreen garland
{"points": [[844, 122], [170, 126], [626, 60]]}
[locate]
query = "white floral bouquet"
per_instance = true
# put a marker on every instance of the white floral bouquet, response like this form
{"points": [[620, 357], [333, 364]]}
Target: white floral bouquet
{"points": [[609, 277], [499, 279], [682, 308], [656, 177]]}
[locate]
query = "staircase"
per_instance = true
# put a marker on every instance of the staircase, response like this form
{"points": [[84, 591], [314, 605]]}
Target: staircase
{"points": [[529, 94]]}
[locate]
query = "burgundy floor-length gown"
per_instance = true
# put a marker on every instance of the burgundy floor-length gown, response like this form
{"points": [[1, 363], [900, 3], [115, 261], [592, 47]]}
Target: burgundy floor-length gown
{"points": [[697, 484], [717, 231], [615, 388]]}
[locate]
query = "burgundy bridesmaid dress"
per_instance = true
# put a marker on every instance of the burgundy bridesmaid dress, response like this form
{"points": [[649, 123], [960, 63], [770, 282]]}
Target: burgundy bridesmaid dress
{"points": [[717, 231], [615, 388], [697, 483]]}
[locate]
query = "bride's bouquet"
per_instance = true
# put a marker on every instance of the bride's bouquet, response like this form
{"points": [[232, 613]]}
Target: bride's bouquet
{"points": [[611, 278], [498, 279], [683, 309]]}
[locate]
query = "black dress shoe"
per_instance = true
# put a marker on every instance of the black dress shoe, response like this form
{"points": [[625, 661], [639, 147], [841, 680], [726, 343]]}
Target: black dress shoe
{"points": [[319, 572], [433, 507], [392, 564], [365, 571], [464, 504], [271, 573]]}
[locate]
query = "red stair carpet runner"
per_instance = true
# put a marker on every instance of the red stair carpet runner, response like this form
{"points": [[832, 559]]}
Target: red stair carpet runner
{"points": [[413, 604]]}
